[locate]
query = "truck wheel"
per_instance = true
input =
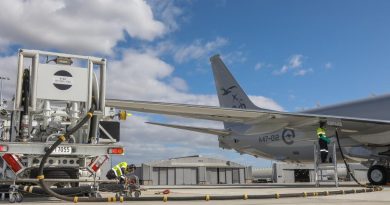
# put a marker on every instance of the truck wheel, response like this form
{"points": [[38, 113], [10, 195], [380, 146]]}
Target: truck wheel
{"points": [[18, 197], [58, 174], [377, 175], [12, 198], [137, 194], [98, 195]]}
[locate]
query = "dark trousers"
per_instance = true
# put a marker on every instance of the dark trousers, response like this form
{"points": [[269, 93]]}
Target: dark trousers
{"points": [[323, 150], [111, 174]]}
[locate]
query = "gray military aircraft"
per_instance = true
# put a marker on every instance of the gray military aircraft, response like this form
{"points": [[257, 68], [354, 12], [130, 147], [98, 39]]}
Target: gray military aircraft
{"points": [[363, 126]]}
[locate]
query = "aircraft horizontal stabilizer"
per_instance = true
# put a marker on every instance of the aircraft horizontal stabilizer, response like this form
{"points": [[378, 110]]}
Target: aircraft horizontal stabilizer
{"points": [[219, 132]]}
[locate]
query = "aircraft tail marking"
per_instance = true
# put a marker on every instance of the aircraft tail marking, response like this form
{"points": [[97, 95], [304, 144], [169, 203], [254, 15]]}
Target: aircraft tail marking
{"points": [[230, 93]]}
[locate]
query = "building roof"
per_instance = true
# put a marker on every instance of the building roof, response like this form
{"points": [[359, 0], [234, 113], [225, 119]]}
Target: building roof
{"points": [[194, 161]]}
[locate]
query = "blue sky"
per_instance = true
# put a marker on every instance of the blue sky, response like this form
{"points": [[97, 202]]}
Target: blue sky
{"points": [[289, 55], [350, 36]]}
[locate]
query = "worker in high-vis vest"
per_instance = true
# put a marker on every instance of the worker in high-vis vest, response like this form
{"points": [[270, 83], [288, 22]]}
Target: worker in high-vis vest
{"points": [[120, 171], [323, 141]]}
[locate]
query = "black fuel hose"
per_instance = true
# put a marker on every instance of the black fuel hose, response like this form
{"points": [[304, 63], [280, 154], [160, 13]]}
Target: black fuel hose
{"points": [[347, 165], [61, 139], [25, 92], [62, 191], [72, 191]]}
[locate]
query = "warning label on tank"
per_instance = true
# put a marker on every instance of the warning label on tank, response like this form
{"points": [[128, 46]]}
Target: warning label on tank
{"points": [[62, 80]]}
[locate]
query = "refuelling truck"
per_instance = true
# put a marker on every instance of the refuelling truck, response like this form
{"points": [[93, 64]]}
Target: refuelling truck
{"points": [[54, 91]]}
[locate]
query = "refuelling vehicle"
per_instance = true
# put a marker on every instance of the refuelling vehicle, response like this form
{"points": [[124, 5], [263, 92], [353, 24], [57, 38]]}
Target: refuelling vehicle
{"points": [[54, 91]]}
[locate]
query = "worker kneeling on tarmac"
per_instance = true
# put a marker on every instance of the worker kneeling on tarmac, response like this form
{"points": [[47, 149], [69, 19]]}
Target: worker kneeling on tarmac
{"points": [[120, 171], [323, 141]]}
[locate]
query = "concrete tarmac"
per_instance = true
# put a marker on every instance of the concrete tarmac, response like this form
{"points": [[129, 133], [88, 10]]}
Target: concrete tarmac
{"points": [[379, 197]]}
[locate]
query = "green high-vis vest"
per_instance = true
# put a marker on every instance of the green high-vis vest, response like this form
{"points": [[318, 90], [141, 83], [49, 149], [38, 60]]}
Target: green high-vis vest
{"points": [[118, 168]]}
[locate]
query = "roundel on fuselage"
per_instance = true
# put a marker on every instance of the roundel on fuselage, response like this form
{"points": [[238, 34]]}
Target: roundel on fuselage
{"points": [[288, 136]]}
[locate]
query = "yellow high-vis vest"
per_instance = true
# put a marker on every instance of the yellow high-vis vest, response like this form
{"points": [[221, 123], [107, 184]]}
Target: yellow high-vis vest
{"points": [[320, 131], [118, 168]]}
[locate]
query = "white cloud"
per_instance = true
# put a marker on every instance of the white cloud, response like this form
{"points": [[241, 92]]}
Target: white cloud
{"points": [[303, 72], [284, 69], [295, 62], [76, 26], [266, 103], [8, 67], [179, 84], [233, 57], [141, 76], [167, 12], [328, 65], [198, 49], [259, 66]]}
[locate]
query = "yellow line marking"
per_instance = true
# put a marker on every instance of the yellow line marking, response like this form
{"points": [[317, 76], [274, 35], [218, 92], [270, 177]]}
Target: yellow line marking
{"points": [[165, 198]]}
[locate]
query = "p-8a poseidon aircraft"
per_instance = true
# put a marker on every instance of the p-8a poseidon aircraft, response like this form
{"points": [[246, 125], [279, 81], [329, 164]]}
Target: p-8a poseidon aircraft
{"points": [[363, 126]]}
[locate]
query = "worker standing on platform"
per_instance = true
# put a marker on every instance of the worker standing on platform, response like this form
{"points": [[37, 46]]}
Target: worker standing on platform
{"points": [[120, 171], [323, 141]]}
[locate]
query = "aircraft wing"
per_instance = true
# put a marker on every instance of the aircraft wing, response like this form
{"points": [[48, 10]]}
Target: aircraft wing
{"points": [[272, 119], [212, 131]]}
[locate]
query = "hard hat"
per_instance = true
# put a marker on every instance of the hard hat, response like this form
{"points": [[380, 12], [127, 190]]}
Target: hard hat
{"points": [[131, 166]]}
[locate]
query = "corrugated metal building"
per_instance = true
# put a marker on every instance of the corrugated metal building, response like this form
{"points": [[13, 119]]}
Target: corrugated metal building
{"points": [[193, 170]]}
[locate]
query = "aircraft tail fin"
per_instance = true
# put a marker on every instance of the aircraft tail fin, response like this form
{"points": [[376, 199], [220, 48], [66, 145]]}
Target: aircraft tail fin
{"points": [[230, 93]]}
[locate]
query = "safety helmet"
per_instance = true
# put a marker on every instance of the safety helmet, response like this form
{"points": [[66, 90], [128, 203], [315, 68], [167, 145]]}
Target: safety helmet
{"points": [[131, 166]]}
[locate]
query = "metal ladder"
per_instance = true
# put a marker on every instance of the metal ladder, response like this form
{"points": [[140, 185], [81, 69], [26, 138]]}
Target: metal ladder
{"points": [[320, 167]]}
